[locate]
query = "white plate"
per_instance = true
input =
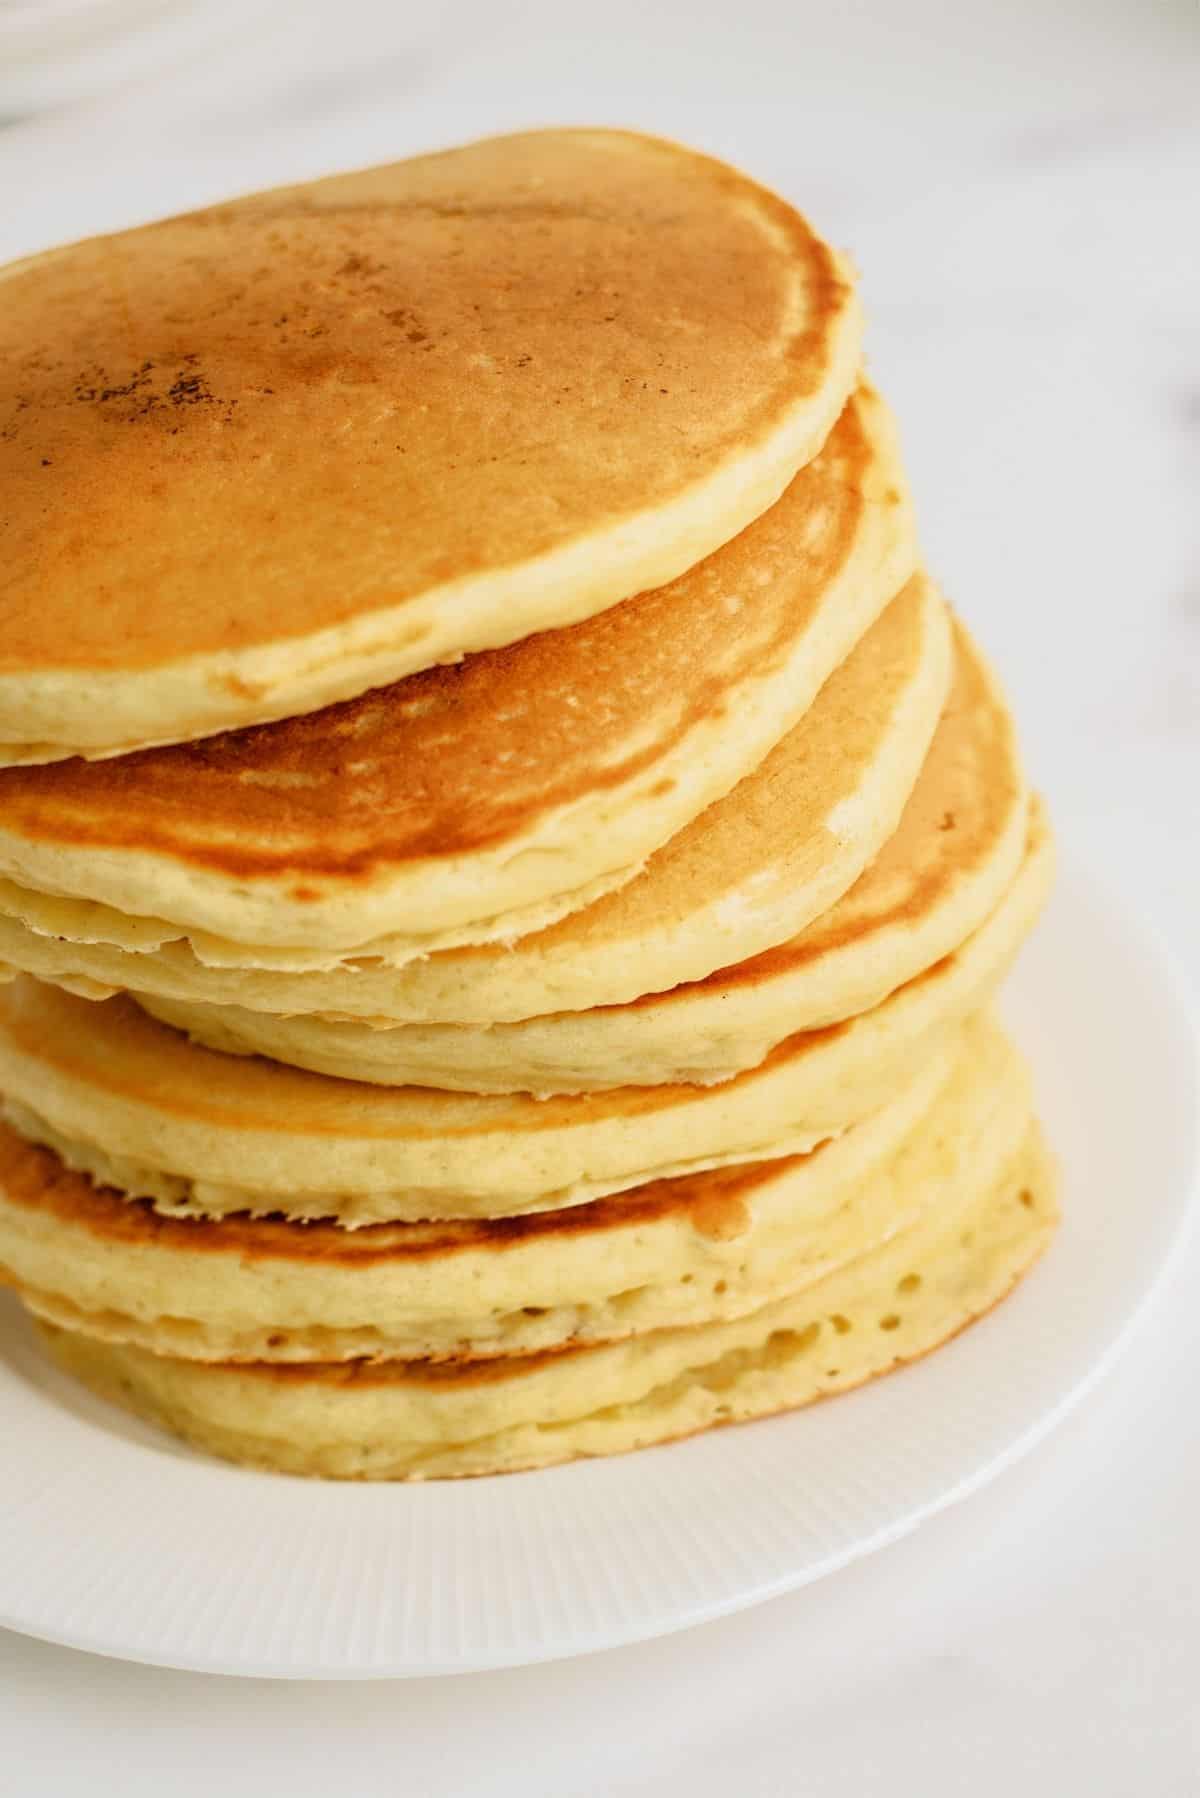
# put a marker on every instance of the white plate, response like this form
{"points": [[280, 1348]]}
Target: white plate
{"points": [[118, 1540]]}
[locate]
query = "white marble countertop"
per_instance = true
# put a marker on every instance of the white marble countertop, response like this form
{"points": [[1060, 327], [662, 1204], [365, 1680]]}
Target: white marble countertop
{"points": [[1018, 184]]}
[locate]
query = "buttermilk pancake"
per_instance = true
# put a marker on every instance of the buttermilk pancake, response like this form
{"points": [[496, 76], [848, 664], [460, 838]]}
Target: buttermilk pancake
{"points": [[712, 1245], [263, 457], [416, 1420], [143, 1109], [484, 799], [752, 869], [958, 846]]}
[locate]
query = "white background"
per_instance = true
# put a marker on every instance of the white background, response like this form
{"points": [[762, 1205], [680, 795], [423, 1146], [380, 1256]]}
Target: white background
{"points": [[1020, 186]]}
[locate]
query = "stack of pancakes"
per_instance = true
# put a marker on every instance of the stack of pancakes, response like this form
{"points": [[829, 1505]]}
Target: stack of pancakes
{"points": [[504, 854]]}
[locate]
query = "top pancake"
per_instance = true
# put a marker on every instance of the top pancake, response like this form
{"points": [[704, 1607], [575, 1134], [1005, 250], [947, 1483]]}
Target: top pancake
{"points": [[265, 456], [479, 801]]}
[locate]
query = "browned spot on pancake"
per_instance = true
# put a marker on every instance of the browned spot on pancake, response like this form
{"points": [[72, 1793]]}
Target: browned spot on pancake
{"points": [[240, 688], [721, 1216], [462, 757], [714, 1203]]}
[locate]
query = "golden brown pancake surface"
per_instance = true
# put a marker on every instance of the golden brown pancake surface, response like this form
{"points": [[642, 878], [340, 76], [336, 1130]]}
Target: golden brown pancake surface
{"points": [[292, 446], [461, 757], [714, 1203], [964, 803]]}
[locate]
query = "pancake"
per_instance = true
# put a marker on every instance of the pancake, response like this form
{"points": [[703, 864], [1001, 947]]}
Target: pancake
{"points": [[477, 801], [702, 902], [958, 846], [143, 1109], [713, 1245], [266, 456], [410, 1420]]}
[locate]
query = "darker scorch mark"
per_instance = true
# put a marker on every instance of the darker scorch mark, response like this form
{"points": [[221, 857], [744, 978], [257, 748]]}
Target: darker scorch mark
{"points": [[147, 391]]}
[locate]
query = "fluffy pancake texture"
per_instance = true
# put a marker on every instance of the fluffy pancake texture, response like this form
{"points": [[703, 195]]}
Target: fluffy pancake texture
{"points": [[713, 1245], [143, 1109], [505, 856], [957, 847], [265, 456], [749, 872], [411, 1420], [482, 800]]}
